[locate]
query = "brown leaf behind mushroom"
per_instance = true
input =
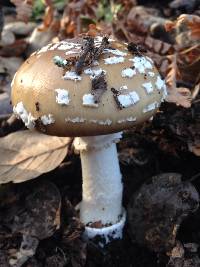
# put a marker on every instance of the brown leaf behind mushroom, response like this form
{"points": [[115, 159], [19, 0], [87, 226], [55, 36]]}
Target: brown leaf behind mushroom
{"points": [[26, 155], [180, 96], [48, 16], [23, 9], [192, 22]]}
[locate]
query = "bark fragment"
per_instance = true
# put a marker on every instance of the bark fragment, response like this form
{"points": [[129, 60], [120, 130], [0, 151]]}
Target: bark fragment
{"points": [[99, 86]]}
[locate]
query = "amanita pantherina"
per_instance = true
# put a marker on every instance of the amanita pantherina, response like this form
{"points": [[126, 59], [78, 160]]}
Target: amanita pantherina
{"points": [[92, 89]]}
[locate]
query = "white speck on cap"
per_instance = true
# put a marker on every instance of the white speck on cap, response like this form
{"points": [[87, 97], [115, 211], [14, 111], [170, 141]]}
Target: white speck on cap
{"points": [[151, 107], [71, 75], [106, 122], [141, 64], [159, 83], [129, 99], [116, 52], [148, 87], [24, 115], [94, 72], [47, 119], [151, 73], [66, 46], [88, 100], [113, 60], [62, 97], [165, 93], [128, 72], [101, 122], [75, 120], [98, 39], [72, 52], [123, 87], [129, 119]]}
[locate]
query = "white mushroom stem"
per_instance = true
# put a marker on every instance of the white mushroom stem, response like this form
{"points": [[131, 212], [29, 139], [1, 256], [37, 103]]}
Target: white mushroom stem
{"points": [[102, 185]]}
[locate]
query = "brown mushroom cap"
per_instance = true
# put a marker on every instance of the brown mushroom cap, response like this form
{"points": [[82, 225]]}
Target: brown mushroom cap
{"points": [[34, 91]]}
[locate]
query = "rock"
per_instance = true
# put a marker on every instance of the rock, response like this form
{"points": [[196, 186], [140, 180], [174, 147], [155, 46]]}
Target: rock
{"points": [[156, 211], [8, 67], [7, 38], [20, 28], [11, 64], [184, 5], [5, 106], [15, 49]]}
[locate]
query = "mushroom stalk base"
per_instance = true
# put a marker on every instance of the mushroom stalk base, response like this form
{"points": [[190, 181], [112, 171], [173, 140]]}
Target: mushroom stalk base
{"points": [[102, 185], [106, 234]]}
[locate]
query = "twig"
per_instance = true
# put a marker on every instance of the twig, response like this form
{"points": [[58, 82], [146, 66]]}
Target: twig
{"points": [[87, 48], [196, 91], [99, 86]]}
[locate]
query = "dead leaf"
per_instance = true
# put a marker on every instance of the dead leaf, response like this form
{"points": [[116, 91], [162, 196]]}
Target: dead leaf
{"points": [[23, 9], [194, 149], [192, 22], [26, 155], [196, 91], [48, 16], [181, 96]]}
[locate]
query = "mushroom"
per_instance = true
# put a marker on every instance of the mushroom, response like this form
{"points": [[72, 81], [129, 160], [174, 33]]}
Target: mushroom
{"points": [[91, 89]]}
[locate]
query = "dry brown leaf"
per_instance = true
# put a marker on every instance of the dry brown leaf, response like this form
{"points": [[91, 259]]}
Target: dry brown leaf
{"points": [[196, 91], [141, 18], [191, 21], [190, 55], [26, 155], [179, 95], [172, 71], [23, 9], [194, 149], [48, 16]]}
